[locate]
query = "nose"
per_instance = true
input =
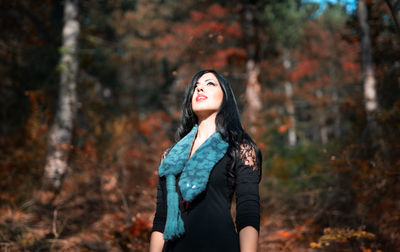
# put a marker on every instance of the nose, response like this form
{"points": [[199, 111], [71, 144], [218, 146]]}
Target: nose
{"points": [[199, 88]]}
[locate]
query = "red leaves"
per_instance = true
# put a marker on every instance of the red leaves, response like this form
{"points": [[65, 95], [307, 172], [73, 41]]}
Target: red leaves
{"points": [[304, 67], [141, 226], [153, 123], [214, 11], [206, 27], [351, 65], [197, 15], [221, 57], [217, 10], [208, 37]]}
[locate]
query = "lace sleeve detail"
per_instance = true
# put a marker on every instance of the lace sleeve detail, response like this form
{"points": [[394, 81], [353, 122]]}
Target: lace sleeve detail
{"points": [[249, 163]]}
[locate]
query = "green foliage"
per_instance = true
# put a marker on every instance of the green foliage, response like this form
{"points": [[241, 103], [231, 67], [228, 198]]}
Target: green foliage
{"points": [[302, 167], [334, 17], [285, 21]]}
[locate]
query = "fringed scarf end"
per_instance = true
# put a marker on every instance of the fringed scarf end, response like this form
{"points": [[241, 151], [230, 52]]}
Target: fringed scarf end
{"points": [[174, 226]]}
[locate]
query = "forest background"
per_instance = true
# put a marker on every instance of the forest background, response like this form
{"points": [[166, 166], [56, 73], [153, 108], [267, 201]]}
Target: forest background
{"points": [[91, 93]]}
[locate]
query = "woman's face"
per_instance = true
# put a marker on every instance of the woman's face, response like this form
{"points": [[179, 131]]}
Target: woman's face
{"points": [[208, 95]]}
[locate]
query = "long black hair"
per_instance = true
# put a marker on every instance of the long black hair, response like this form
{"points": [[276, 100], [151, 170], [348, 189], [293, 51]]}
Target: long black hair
{"points": [[227, 120]]}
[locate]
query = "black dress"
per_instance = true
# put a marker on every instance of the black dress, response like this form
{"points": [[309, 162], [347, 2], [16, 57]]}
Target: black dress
{"points": [[207, 219]]}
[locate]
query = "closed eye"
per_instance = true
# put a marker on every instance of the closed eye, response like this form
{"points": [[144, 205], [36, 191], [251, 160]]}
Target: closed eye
{"points": [[211, 83]]}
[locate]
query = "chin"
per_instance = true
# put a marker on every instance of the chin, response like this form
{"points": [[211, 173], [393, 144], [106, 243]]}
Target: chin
{"points": [[204, 112]]}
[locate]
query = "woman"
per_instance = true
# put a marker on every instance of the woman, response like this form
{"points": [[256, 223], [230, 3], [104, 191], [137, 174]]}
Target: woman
{"points": [[198, 176]]}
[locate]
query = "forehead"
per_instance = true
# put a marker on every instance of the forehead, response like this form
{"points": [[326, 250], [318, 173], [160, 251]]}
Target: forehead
{"points": [[208, 76]]}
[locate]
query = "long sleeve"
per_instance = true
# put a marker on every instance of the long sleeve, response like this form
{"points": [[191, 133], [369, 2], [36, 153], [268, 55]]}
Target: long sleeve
{"points": [[248, 176], [161, 208]]}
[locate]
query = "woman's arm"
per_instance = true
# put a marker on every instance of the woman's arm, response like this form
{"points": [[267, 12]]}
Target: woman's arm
{"points": [[248, 175], [156, 241], [248, 237], [157, 238]]}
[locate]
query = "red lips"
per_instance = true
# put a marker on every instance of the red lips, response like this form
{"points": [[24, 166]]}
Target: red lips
{"points": [[201, 97]]}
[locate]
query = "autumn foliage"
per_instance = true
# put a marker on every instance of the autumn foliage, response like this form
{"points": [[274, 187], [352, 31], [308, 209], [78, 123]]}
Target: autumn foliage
{"points": [[336, 189]]}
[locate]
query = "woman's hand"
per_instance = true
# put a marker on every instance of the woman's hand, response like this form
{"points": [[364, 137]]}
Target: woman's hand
{"points": [[157, 242], [248, 239]]}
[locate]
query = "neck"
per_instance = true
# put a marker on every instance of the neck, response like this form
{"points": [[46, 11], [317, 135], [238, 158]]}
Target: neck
{"points": [[206, 126]]}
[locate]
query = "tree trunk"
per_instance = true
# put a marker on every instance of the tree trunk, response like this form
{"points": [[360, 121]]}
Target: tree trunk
{"points": [[253, 86], [321, 112], [60, 135], [336, 113], [394, 6], [292, 138], [289, 106], [369, 81]]}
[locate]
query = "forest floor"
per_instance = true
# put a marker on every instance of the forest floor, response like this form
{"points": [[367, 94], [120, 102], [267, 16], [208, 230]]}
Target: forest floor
{"points": [[89, 219], [94, 213]]}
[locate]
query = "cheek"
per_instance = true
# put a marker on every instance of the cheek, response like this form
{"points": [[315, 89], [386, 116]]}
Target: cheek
{"points": [[194, 104], [219, 96]]}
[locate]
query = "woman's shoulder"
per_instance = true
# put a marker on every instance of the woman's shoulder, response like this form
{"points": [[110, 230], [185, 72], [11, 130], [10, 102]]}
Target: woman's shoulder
{"points": [[248, 151], [248, 159], [246, 145]]}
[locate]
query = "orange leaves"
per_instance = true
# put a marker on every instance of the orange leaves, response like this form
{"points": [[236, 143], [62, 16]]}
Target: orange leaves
{"points": [[233, 30], [315, 245], [221, 57], [217, 10], [287, 124], [197, 15], [214, 11], [15, 227], [140, 226], [304, 67], [210, 32], [342, 235], [290, 237], [89, 151], [207, 27], [283, 128], [153, 123], [152, 181], [208, 22], [351, 70], [325, 61], [199, 31], [282, 234], [351, 66]]}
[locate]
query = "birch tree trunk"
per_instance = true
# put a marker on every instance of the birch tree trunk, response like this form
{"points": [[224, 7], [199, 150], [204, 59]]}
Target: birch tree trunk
{"points": [[369, 81], [253, 86], [60, 135], [321, 113], [289, 106]]}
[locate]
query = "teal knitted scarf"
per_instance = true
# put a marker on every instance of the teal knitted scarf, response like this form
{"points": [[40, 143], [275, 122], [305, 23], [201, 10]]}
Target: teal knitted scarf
{"points": [[194, 177]]}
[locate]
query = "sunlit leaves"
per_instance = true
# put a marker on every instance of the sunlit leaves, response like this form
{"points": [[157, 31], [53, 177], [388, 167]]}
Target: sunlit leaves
{"points": [[333, 236]]}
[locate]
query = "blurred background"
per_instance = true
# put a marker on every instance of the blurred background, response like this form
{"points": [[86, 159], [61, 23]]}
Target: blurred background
{"points": [[91, 93]]}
